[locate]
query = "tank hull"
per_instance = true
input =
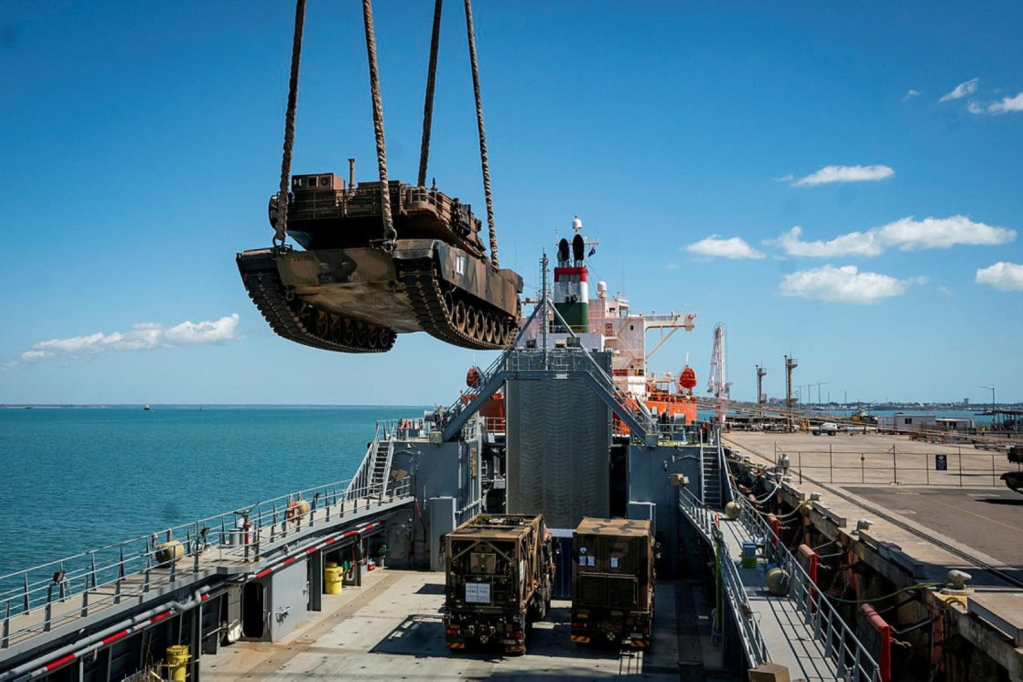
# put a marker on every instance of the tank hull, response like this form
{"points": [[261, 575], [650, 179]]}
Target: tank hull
{"points": [[422, 285]]}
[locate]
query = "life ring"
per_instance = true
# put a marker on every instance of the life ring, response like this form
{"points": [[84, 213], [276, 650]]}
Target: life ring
{"points": [[292, 512]]}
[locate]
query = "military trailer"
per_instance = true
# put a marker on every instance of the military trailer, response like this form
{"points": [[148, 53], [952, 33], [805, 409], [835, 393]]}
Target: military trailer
{"points": [[613, 582], [500, 571]]}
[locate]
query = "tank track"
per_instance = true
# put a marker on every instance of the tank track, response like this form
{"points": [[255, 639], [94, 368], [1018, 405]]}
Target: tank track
{"points": [[302, 322], [451, 315]]}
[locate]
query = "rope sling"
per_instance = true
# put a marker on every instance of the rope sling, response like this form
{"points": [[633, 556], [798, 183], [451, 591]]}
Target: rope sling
{"points": [[389, 232]]}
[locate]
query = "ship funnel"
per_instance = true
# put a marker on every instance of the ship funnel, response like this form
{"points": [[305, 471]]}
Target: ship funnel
{"points": [[571, 290]]}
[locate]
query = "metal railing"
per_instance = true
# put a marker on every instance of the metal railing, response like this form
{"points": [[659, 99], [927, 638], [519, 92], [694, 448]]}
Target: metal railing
{"points": [[571, 361], [38, 599], [845, 465], [706, 522], [853, 661], [386, 430]]}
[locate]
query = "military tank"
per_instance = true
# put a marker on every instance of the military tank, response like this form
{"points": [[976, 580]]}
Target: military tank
{"points": [[352, 291]]}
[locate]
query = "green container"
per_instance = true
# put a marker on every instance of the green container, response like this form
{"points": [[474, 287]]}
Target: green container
{"points": [[749, 554]]}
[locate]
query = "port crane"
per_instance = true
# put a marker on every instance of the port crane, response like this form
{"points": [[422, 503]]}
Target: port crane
{"points": [[381, 258], [717, 385]]}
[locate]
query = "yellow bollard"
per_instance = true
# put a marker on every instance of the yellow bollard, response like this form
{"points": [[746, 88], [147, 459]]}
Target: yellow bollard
{"points": [[332, 575], [169, 552], [177, 661]]}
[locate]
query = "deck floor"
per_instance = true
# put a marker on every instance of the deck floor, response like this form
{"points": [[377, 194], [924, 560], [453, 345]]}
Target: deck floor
{"points": [[391, 629]]}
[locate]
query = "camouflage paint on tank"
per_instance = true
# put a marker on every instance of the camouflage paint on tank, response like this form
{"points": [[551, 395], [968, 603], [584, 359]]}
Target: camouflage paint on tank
{"points": [[435, 278]]}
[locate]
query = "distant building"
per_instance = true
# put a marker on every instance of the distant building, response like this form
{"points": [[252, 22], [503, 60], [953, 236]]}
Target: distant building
{"points": [[955, 424], [907, 422]]}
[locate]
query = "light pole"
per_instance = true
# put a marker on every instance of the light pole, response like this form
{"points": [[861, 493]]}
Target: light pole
{"points": [[992, 389]]}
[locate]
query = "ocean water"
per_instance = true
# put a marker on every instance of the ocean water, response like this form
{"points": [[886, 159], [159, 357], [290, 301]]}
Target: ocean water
{"points": [[76, 479]]}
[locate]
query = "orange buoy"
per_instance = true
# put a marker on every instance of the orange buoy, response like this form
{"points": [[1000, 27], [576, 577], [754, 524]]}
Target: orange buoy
{"points": [[473, 377]]}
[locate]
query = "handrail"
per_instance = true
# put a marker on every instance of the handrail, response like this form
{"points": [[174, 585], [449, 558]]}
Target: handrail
{"points": [[706, 523], [138, 566], [854, 662]]}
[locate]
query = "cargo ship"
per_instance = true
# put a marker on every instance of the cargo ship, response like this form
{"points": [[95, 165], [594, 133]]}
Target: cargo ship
{"points": [[721, 564], [565, 424]]}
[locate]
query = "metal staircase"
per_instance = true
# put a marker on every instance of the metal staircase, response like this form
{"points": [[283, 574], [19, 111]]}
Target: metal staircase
{"points": [[710, 468], [564, 363], [372, 477], [381, 466]]}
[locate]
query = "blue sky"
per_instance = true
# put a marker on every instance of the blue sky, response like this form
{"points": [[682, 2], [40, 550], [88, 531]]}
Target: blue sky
{"points": [[836, 183]]}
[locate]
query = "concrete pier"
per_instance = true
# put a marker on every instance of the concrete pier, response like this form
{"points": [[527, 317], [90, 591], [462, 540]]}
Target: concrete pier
{"points": [[933, 508]]}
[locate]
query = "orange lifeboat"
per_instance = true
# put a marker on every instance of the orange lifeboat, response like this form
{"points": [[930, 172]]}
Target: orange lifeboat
{"points": [[687, 379], [474, 377]]}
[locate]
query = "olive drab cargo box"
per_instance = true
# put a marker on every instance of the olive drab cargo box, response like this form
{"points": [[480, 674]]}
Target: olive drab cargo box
{"points": [[613, 582], [500, 571]]}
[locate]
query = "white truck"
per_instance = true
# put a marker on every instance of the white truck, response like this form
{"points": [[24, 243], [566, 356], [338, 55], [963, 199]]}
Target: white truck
{"points": [[830, 428]]}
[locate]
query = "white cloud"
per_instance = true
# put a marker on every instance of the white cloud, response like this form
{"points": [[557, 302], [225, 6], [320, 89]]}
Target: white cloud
{"points": [[1007, 105], [941, 233], [714, 247], [962, 90], [1004, 276], [852, 244], [845, 174], [974, 108], [910, 94], [906, 234], [843, 285], [143, 336]]}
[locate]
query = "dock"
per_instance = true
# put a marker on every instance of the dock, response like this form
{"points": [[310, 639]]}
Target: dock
{"points": [[909, 512]]}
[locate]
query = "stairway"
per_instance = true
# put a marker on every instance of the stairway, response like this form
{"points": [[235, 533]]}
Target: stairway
{"points": [[710, 465], [381, 467]]}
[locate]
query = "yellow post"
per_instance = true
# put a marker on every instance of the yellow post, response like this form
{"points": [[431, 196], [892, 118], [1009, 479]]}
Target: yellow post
{"points": [[177, 661], [332, 575]]}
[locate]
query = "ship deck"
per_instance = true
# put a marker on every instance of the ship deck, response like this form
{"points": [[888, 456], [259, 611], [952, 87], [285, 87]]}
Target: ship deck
{"points": [[391, 628]]}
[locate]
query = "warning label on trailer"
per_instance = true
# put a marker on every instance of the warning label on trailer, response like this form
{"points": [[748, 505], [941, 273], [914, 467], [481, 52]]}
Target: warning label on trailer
{"points": [[477, 593]]}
